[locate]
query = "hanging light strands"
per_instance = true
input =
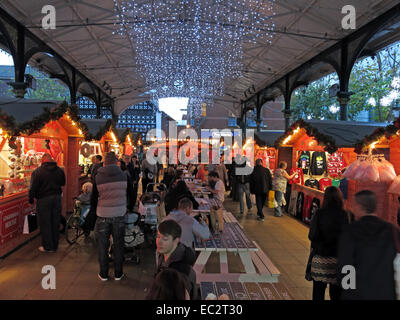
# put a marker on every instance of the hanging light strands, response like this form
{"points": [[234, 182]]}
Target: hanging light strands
{"points": [[190, 48]]}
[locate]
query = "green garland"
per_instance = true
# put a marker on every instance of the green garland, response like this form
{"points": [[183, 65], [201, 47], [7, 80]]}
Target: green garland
{"points": [[9, 124], [328, 142], [127, 132], [387, 132]]}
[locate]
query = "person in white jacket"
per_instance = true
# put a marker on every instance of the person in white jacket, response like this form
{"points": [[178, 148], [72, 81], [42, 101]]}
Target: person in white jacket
{"points": [[190, 226]]}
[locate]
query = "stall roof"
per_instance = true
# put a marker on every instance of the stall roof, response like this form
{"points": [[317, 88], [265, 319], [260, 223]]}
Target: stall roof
{"points": [[24, 110], [267, 138], [345, 133], [333, 134], [26, 116], [97, 128]]}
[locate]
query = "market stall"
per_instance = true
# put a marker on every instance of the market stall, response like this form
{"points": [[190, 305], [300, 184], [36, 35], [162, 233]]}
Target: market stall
{"points": [[100, 137], [127, 141], [264, 148], [318, 151], [29, 129], [380, 176]]}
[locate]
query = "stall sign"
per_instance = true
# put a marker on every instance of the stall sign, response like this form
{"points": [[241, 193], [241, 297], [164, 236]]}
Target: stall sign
{"points": [[12, 216], [88, 150]]}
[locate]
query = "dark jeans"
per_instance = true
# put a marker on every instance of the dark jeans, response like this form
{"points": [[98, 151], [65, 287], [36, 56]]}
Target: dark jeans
{"points": [[105, 227], [260, 201], [319, 291], [49, 214]]}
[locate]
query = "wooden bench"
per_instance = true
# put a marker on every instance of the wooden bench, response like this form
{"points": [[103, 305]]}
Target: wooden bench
{"points": [[246, 290], [258, 267]]}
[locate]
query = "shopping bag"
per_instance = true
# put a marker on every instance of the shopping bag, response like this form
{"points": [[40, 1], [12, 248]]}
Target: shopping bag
{"points": [[30, 223], [253, 199], [216, 220], [271, 199]]}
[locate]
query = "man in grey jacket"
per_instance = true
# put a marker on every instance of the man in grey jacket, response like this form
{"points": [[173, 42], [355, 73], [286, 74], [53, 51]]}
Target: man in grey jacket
{"points": [[190, 226], [111, 196]]}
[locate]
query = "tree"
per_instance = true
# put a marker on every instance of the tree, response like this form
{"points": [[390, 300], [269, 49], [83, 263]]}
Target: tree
{"points": [[371, 81]]}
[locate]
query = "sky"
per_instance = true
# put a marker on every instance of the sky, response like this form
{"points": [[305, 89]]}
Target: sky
{"points": [[5, 59], [173, 107]]}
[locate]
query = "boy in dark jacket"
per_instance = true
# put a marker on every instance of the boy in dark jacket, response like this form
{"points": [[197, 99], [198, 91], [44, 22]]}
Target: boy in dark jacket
{"points": [[369, 245], [173, 254], [46, 183], [260, 184]]}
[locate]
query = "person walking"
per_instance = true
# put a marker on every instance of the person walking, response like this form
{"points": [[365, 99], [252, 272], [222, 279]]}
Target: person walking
{"points": [[136, 177], [96, 164], [279, 183], [46, 186], [326, 227], [368, 245], [149, 172], [190, 226], [111, 195], [243, 187], [260, 184]]}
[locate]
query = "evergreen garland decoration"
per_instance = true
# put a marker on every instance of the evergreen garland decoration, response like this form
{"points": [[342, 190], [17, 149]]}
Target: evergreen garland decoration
{"points": [[327, 141], [127, 132], [388, 132]]}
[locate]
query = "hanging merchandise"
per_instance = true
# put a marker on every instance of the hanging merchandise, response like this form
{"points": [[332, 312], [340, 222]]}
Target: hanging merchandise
{"points": [[335, 182], [304, 161], [371, 168], [325, 183], [311, 208], [318, 163], [299, 205], [292, 203], [312, 183], [335, 164], [395, 186], [307, 208], [298, 178]]}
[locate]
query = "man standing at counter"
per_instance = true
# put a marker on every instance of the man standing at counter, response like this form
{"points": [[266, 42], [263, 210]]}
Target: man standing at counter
{"points": [[46, 183]]}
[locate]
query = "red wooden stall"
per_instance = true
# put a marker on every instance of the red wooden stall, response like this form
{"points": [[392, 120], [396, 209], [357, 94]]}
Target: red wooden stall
{"points": [[29, 129], [318, 151]]}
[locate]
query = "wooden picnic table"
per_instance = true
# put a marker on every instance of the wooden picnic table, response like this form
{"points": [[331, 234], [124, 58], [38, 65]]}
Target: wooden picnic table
{"points": [[258, 267]]}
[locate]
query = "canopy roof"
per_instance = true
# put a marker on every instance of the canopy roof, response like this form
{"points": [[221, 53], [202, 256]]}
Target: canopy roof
{"points": [[267, 138]]}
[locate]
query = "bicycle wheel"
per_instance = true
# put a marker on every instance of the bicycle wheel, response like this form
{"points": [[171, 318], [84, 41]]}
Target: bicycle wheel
{"points": [[72, 230]]}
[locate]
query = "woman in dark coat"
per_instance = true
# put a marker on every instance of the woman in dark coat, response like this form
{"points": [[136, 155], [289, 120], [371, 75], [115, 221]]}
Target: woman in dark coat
{"points": [[176, 193], [326, 227]]}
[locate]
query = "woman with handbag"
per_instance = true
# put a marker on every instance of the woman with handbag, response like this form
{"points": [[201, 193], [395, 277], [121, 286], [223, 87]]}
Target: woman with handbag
{"points": [[326, 227]]}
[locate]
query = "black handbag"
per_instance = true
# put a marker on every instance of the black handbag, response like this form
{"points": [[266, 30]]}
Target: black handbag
{"points": [[308, 268], [30, 223]]}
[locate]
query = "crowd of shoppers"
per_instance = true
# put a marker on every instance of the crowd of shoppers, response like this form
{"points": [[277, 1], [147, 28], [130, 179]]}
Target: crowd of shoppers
{"points": [[338, 237]]}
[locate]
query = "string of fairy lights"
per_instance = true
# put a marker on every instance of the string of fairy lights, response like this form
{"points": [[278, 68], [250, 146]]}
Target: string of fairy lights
{"points": [[191, 48]]}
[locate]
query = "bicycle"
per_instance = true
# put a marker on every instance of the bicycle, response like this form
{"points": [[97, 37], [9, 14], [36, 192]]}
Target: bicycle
{"points": [[73, 228]]}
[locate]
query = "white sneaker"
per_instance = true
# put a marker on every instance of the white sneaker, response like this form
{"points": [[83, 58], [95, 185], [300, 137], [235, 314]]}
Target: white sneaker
{"points": [[101, 278], [119, 278]]}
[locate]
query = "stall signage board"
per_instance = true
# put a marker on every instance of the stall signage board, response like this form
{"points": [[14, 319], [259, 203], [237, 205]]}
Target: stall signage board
{"points": [[12, 216]]}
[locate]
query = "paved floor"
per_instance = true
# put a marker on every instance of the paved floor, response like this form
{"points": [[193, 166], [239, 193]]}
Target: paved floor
{"points": [[283, 239]]}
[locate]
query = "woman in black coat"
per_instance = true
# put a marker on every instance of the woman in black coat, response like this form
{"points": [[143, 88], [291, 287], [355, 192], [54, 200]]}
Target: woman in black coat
{"points": [[176, 193], [326, 227]]}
